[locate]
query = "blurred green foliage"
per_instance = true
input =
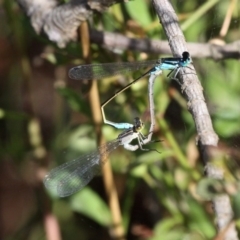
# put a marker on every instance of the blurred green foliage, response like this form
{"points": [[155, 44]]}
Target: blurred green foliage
{"points": [[34, 85]]}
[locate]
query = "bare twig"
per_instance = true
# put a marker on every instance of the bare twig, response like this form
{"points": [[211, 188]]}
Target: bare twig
{"points": [[117, 230], [117, 41], [190, 84], [227, 20], [192, 89], [51, 227]]}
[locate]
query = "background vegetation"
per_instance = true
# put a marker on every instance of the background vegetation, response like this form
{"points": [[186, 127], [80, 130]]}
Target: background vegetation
{"points": [[45, 120]]}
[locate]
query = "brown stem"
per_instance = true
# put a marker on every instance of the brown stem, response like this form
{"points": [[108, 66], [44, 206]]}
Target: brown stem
{"points": [[117, 229]]}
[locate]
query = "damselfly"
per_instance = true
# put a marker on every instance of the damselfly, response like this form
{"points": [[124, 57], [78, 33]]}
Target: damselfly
{"points": [[102, 70], [97, 71], [72, 176]]}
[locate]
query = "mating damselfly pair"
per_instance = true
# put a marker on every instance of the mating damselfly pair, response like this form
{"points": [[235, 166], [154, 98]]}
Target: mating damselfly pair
{"points": [[74, 175]]}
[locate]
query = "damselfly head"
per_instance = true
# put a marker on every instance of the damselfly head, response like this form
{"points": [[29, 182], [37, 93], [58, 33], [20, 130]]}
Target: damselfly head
{"points": [[138, 124], [186, 56]]}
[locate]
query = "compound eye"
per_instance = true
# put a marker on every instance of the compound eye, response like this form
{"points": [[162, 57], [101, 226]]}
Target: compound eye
{"points": [[185, 55]]}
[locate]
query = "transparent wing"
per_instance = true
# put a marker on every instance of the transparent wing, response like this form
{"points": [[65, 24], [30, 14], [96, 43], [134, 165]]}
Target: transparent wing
{"points": [[97, 71], [74, 175]]}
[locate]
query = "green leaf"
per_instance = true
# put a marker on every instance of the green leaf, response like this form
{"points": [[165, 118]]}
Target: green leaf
{"points": [[226, 128], [87, 202], [236, 205], [199, 221], [164, 229], [139, 12], [139, 171], [198, 14], [80, 140]]}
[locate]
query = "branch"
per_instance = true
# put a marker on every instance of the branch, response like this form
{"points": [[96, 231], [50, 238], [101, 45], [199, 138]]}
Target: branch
{"points": [[192, 89], [60, 23], [190, 84], [198, 50]]}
